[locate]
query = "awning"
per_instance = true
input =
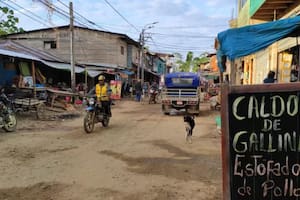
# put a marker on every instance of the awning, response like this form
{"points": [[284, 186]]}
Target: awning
{"points": [[102, 65], [18, 55], [63, 66], [238, 42], [127, 72], [94, 71]]}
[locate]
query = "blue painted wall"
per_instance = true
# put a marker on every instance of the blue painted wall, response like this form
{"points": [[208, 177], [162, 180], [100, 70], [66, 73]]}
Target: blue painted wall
{"points": [[6, 76], [161, 66], [129, 56]]}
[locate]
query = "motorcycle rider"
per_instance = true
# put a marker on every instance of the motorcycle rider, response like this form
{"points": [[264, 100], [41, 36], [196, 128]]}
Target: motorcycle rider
{"points": [[102, 94], [153, 91], [154, 86]]}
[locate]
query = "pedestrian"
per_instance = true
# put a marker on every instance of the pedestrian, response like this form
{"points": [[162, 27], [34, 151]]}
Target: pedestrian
{"points": [[138, 90], [270, 77]]}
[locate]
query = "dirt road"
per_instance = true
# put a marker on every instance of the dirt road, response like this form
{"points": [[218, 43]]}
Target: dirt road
{"points": [[141, 155]]}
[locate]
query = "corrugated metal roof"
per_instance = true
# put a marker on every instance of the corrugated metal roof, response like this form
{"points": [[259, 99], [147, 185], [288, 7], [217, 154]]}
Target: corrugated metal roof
{"points": [[17, 47], [103, 65], [54, 64], [122, 35], [14, 49], [64, 66], [18, 55]]}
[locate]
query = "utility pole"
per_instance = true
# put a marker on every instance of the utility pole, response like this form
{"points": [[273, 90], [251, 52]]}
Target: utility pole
{"points": [[73, 78], [142, 43], [140, 58]]}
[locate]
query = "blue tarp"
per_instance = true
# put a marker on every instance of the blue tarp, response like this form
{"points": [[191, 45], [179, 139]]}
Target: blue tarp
{"points": [[238, 42]]}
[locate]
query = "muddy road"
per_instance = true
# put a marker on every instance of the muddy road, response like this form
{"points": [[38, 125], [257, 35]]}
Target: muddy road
{"points": [[141, 155]]}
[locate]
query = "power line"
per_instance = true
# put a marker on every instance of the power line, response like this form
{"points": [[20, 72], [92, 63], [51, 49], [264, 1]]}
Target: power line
{"points": [[14, 8], [89, 21], [175, 45], [154, 43], [60, 11], [122, 16], [185, 36], [159, 46], [193, 26]]}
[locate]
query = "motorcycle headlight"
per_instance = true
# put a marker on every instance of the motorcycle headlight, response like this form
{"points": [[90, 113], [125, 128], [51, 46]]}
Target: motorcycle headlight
{"points": [[91, 101]]}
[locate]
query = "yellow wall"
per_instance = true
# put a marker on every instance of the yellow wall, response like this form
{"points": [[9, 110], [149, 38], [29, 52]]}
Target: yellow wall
{"points": [[243, 18]]}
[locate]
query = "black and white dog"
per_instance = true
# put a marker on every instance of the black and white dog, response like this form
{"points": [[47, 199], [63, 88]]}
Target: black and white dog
{"points": [[189, 126]]}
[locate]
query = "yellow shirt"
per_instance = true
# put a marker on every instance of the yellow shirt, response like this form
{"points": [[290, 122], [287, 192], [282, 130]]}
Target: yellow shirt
{"points": [[101, 92]]}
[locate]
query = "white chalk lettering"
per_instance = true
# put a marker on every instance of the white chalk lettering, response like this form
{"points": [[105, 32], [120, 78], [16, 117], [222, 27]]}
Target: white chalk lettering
{"points": [[256, 106], [288, 189], [265, 142], [256, 165]]}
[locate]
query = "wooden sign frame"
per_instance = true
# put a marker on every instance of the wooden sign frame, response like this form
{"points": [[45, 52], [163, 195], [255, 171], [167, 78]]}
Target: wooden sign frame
{"points": [[226, 91]]}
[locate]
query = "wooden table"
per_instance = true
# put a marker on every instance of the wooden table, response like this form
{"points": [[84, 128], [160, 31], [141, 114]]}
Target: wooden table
{"points": [[53, 94]]}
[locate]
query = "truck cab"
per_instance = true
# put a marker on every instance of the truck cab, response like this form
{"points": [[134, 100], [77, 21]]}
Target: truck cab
{"points": [[181, 91]]}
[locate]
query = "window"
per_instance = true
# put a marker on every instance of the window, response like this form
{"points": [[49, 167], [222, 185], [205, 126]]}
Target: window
{"points": [[242, 3], [122, 50], [182, 81], [49, 44]]}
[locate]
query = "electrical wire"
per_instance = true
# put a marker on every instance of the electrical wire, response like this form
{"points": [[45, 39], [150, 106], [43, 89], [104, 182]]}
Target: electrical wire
{"points": [[60, 11], [175, 45], [159, 46], [121, 16], [185, 36], [23, 13], [77, 13]]}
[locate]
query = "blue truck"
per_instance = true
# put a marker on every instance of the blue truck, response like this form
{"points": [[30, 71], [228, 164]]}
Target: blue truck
{"points": [[181, 91]]}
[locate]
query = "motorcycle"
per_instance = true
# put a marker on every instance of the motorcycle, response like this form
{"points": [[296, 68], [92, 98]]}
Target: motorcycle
{"points": [[95, 113], [8, 120], [153, 93]]}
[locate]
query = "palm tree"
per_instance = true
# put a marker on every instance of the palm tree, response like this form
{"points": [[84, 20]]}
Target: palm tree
{"points": [[192, 64], [186, 66]]}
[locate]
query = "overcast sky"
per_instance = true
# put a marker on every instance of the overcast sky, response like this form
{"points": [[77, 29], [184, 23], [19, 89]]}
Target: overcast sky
{"points": [[183, 25]]}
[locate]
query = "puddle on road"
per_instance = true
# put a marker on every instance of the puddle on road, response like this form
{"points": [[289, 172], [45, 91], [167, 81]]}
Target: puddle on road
{"points": [[197, 167]]}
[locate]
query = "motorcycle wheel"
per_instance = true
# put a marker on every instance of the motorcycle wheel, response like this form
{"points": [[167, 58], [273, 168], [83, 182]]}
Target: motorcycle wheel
{"points": [[89, 122], [11, 125], [105, 122], [150, 99]]}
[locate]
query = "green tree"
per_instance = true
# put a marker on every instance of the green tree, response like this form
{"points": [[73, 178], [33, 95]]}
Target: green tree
{"points": [[192, 63], [197, 61], [9, 24]]}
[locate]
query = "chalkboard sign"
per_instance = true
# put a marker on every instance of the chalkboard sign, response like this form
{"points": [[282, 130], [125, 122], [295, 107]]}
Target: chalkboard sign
{"points": [[261, 142]]}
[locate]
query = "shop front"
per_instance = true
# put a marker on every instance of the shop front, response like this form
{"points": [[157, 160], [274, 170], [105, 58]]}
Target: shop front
{"points": [[288, 60]]}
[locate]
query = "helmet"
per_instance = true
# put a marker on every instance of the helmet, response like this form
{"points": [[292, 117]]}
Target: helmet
{"points": [[101, 78]]}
